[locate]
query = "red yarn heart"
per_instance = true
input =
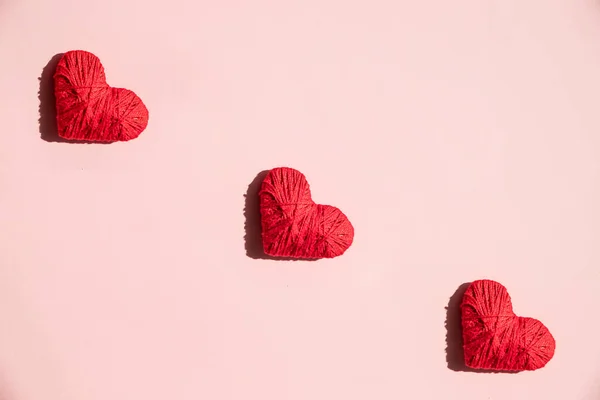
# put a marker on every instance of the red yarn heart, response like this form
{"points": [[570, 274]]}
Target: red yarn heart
{"points": [[495, 338], [88, 109], [293, 226]]}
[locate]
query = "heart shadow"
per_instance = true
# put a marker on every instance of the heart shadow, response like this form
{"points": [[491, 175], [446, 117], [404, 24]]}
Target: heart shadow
{"points": [[48, 126], [455, 358], [253, 226], [454, 341]]}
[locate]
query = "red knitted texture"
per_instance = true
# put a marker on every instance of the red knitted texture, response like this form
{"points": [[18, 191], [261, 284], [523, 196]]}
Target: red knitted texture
{"points": [[293, 226], [495, 338], [88, 109]]}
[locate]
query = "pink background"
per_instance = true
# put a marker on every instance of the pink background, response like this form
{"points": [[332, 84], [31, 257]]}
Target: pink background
{"points": [[462, 139]]}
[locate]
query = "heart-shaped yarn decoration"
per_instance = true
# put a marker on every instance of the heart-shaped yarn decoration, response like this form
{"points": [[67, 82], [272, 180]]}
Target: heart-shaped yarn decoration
{"points": [[293, 225], [495, 338], [88, 109]]}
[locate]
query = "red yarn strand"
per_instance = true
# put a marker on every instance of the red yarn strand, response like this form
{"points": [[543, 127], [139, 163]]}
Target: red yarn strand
{"points": [[293, 225], [88, 109], [495, 338]]}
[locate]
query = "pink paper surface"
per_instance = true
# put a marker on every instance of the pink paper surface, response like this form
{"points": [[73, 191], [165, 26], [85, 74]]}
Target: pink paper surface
{"points": [[462, 139]]}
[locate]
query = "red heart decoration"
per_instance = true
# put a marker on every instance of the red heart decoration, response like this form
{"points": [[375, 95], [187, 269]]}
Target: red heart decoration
{"points": [[293, 225], [88, 109], [495, 338]]}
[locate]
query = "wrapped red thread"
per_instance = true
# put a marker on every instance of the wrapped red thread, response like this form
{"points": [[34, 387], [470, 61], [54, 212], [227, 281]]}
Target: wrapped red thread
{"points": [[495, 338], [293, 225], [88, 109]]}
